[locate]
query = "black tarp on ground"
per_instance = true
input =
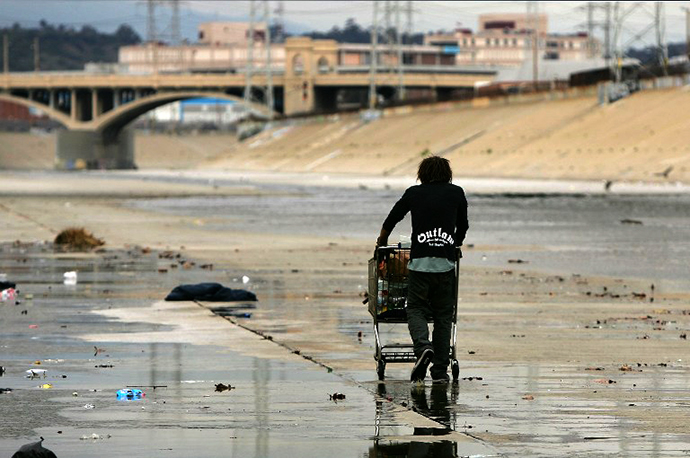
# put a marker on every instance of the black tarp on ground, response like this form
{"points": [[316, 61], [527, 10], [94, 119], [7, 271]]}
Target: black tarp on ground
{"points": [[209, 292], [34, 450]]}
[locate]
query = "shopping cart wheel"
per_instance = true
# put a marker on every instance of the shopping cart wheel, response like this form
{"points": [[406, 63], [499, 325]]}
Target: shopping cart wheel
{"points": [[455, 369], [381, 369]]}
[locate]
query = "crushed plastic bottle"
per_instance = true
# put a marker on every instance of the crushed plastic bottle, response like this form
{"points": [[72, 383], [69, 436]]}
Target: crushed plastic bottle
{"points": [[8, 294], [130, 394]]}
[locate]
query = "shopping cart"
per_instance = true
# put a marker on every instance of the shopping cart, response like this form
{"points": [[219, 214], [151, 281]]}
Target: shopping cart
{"points": [[387, 298]]}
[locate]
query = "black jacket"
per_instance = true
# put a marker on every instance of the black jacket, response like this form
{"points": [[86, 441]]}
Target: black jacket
{"points": [[439, 219]]}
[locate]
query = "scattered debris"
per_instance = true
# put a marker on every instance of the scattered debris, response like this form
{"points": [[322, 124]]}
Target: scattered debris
{"points": [[34, 373], [469, 379], [70, 278], [336, 396], [97, 350], [89, 406], [604, 381], [95, 437], [517, 261], [46, 386], [8, 294], [130, 394], [627, 368], [77, 239], [665, 173], [635, 222], [595, 369], [103, 366], [471, 352], [5, 390], [528, 397], [220, 387]]}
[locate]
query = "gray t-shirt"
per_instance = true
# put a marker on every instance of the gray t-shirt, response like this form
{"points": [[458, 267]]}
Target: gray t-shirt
{"points": [[431, 265]]}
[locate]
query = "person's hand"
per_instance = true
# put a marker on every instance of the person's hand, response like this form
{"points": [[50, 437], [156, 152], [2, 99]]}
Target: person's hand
{"points": [[381, 242]]}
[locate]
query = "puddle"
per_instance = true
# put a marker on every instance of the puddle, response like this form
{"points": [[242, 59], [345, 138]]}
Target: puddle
{"points": [[276, 407]]}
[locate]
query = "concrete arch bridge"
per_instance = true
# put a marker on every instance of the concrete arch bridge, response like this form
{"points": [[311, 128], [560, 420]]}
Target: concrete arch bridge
{"points": [[96, 120], [96, 108]]}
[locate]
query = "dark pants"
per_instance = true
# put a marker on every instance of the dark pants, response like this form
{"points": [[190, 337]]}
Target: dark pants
{"points": [[431, 295]]}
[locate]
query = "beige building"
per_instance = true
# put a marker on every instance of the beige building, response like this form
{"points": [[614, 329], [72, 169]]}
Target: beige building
{"points": [[223, 47], [230, 33], [151, 58], [506, 40]]}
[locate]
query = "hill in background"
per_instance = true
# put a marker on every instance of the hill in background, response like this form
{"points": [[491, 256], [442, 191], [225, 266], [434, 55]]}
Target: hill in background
{"points": [[65, 48]]}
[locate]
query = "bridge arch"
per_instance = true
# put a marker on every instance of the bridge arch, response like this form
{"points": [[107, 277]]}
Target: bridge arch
{"points": [[110, 124], [52, 113]]}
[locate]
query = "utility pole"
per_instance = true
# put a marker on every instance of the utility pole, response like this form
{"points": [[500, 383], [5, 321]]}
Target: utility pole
{"points": [[660, 28], [280, 22], [398, 45], [151, 21], [37, 55], [590, 29], [250, 55], [6, 53], [687, 33], [151, 34], [374, 57], [176, 35], [408, 27], [607, 35], [175, 32], [269, 67], [265, 16], [533, 16]]}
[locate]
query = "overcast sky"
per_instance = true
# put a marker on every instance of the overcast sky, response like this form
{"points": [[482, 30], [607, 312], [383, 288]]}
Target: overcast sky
{"points": [[301, 16]]}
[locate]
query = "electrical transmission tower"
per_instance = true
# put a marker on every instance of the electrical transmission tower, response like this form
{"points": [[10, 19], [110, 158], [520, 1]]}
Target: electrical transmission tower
{"points": [[153, 35], [655, 16], [279, 21], [264, 15], [394, 40], [533, 18], [593, 25], [374, 56]]}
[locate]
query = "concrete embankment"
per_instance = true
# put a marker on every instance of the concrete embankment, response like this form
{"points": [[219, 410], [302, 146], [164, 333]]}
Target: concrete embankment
{"points": [[638, 138], [644, 137]]}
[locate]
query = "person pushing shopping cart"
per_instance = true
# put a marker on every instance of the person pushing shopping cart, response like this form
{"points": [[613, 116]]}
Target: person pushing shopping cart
{"points": [[439, 225]]}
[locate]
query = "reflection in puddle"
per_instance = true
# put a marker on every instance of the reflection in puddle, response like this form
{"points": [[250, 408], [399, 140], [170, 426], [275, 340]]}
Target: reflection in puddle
{"points": [[442, 449], [432, 440]]}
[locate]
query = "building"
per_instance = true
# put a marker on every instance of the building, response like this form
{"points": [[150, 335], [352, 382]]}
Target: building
{"points": [[230, 33], [506, 40], [201, 111], [224, 47]]}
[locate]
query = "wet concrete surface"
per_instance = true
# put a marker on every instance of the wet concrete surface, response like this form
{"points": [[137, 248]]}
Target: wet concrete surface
{"points": [[539, 341], [278, 406]]}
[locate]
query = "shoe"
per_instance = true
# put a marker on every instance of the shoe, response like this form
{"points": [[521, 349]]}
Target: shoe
{"points": [[419, 369]]}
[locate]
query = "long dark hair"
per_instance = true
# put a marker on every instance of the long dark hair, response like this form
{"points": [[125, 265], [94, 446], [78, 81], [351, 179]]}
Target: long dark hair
{"points": [[434, 169]]}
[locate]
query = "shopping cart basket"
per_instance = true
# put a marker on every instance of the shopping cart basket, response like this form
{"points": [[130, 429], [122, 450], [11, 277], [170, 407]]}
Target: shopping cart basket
{"points": [[387, 299]]}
